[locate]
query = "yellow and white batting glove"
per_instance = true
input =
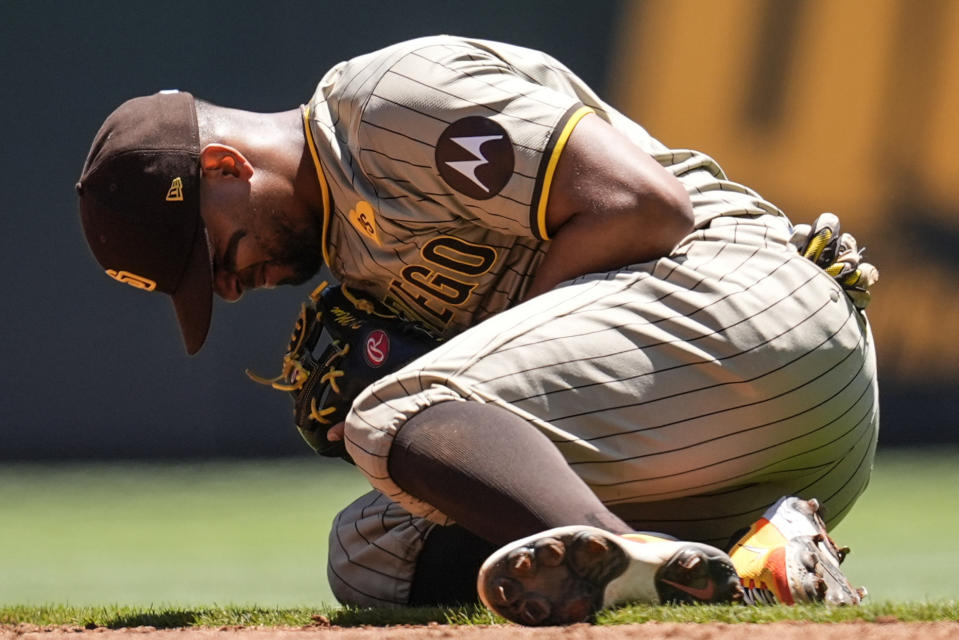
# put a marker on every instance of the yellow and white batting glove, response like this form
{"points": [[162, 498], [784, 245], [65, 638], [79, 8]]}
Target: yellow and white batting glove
{"points": [[837, 254]]}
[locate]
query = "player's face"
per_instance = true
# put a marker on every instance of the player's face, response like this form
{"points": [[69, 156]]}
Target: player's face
{"points": [[257, 242]]}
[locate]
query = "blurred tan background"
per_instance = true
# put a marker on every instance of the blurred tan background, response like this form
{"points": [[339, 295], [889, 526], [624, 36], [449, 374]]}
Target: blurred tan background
{"points": [[850, 106]]}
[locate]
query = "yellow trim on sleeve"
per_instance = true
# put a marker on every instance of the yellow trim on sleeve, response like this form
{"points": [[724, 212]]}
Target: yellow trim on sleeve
{"points": [[551, 167], [323, 184]]}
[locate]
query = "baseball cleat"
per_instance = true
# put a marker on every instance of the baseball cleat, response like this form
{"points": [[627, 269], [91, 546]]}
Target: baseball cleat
{"points": [[565, 575], [788, 557]]}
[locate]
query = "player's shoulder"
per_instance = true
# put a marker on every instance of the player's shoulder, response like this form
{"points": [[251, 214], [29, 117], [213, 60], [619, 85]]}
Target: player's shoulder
{"points": [[408, 73], [437, 47], [424, 56]]}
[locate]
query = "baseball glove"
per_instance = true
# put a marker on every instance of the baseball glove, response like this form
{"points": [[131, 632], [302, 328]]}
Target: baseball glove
{"points": [[363, 341], [838, 254]]}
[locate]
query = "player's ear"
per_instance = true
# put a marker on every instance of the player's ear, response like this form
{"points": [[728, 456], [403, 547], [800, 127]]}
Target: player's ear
{"points": [[220, 160]]}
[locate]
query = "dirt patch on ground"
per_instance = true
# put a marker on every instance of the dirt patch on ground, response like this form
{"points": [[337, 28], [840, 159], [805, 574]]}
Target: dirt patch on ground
{"points": [[891, 630]]}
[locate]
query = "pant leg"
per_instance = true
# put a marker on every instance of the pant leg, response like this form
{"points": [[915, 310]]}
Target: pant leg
{"points": [[373, 549], [703, 385], [380, 555]]}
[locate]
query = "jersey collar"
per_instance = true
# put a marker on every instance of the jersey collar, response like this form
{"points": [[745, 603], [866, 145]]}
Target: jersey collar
{"points": [[324, 186]]}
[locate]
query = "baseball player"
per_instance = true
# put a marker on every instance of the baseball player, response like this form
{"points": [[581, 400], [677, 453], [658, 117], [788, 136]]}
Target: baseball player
{"points": [[632, 341]]}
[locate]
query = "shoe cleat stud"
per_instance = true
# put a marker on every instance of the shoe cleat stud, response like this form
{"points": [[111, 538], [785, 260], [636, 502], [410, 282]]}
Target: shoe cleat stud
{"points": [[691, 562], [808, 559], [506, 591], [521, 562], [534, 610], [821, 589], [842, 552], [550, 552], [594, 545], [813, 589], [579, 609], [739, 595]]}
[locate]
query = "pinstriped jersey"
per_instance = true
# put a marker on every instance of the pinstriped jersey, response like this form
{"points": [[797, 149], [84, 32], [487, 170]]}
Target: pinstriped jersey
{"points": [[436, 157]]}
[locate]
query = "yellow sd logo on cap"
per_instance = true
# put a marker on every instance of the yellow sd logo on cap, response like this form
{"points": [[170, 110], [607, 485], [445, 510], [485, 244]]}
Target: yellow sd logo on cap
{"points": [[132, 279]]}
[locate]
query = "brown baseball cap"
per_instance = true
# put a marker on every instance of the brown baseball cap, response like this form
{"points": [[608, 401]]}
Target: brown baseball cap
{"points": [[139, 195]]}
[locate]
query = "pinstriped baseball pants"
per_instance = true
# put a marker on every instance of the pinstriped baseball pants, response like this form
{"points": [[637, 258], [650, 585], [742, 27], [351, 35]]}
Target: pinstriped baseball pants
{"points": [[689, 393]]}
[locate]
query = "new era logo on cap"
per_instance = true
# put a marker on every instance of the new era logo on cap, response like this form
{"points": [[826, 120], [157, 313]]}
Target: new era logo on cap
{"points": [[175, 192]]}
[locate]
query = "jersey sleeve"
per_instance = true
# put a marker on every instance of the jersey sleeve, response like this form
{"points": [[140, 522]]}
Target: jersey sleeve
{"points": [[455, 124]]}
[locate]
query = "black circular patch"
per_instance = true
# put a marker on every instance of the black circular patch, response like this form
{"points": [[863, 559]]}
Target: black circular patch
{"points": [[475, 156]]}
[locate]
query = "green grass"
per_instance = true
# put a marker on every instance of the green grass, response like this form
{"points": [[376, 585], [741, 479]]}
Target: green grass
{"points": [[116, 617], [245, 543], [868, 612], [194, 534], [170, 617]]}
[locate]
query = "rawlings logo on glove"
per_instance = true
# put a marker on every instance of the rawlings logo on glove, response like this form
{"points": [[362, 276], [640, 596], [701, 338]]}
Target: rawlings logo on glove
{"points": [[342, 342], [377, 348]]}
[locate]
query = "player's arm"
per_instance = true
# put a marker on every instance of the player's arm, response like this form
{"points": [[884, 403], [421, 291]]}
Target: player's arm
{"points": [[609, 205]]}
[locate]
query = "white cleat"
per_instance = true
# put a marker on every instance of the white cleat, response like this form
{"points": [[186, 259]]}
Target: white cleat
{"points": [[788, 557], [565, 575]]}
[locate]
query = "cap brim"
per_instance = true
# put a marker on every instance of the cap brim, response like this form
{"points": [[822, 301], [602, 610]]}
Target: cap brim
{"points": [[193, 299]]}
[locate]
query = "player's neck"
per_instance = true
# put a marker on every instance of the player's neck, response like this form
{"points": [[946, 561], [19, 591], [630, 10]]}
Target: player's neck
{"points": [[274, 143], [281, 143]]}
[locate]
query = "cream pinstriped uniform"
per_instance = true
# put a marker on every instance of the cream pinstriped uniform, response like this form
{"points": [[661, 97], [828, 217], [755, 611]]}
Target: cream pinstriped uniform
{"points": [[689, 393]]}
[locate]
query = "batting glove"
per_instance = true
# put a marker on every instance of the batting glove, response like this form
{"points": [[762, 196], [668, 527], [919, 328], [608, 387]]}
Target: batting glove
{"points": [[838, 255]]}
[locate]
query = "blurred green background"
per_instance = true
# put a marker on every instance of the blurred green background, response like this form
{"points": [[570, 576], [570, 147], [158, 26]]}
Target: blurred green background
{"points": [[255, 533], [173, 533]]}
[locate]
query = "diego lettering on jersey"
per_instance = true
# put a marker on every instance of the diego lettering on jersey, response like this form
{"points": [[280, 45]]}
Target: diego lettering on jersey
{"points": [[474, 156], [428, 294]]}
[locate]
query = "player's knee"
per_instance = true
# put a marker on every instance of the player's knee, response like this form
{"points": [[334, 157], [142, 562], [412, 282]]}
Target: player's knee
{"points": [[348, 595], [355, 584], [373, 547]]}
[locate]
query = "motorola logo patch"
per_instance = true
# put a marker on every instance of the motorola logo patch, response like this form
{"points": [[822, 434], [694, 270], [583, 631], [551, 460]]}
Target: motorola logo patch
{"points": [[474, 155]]}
